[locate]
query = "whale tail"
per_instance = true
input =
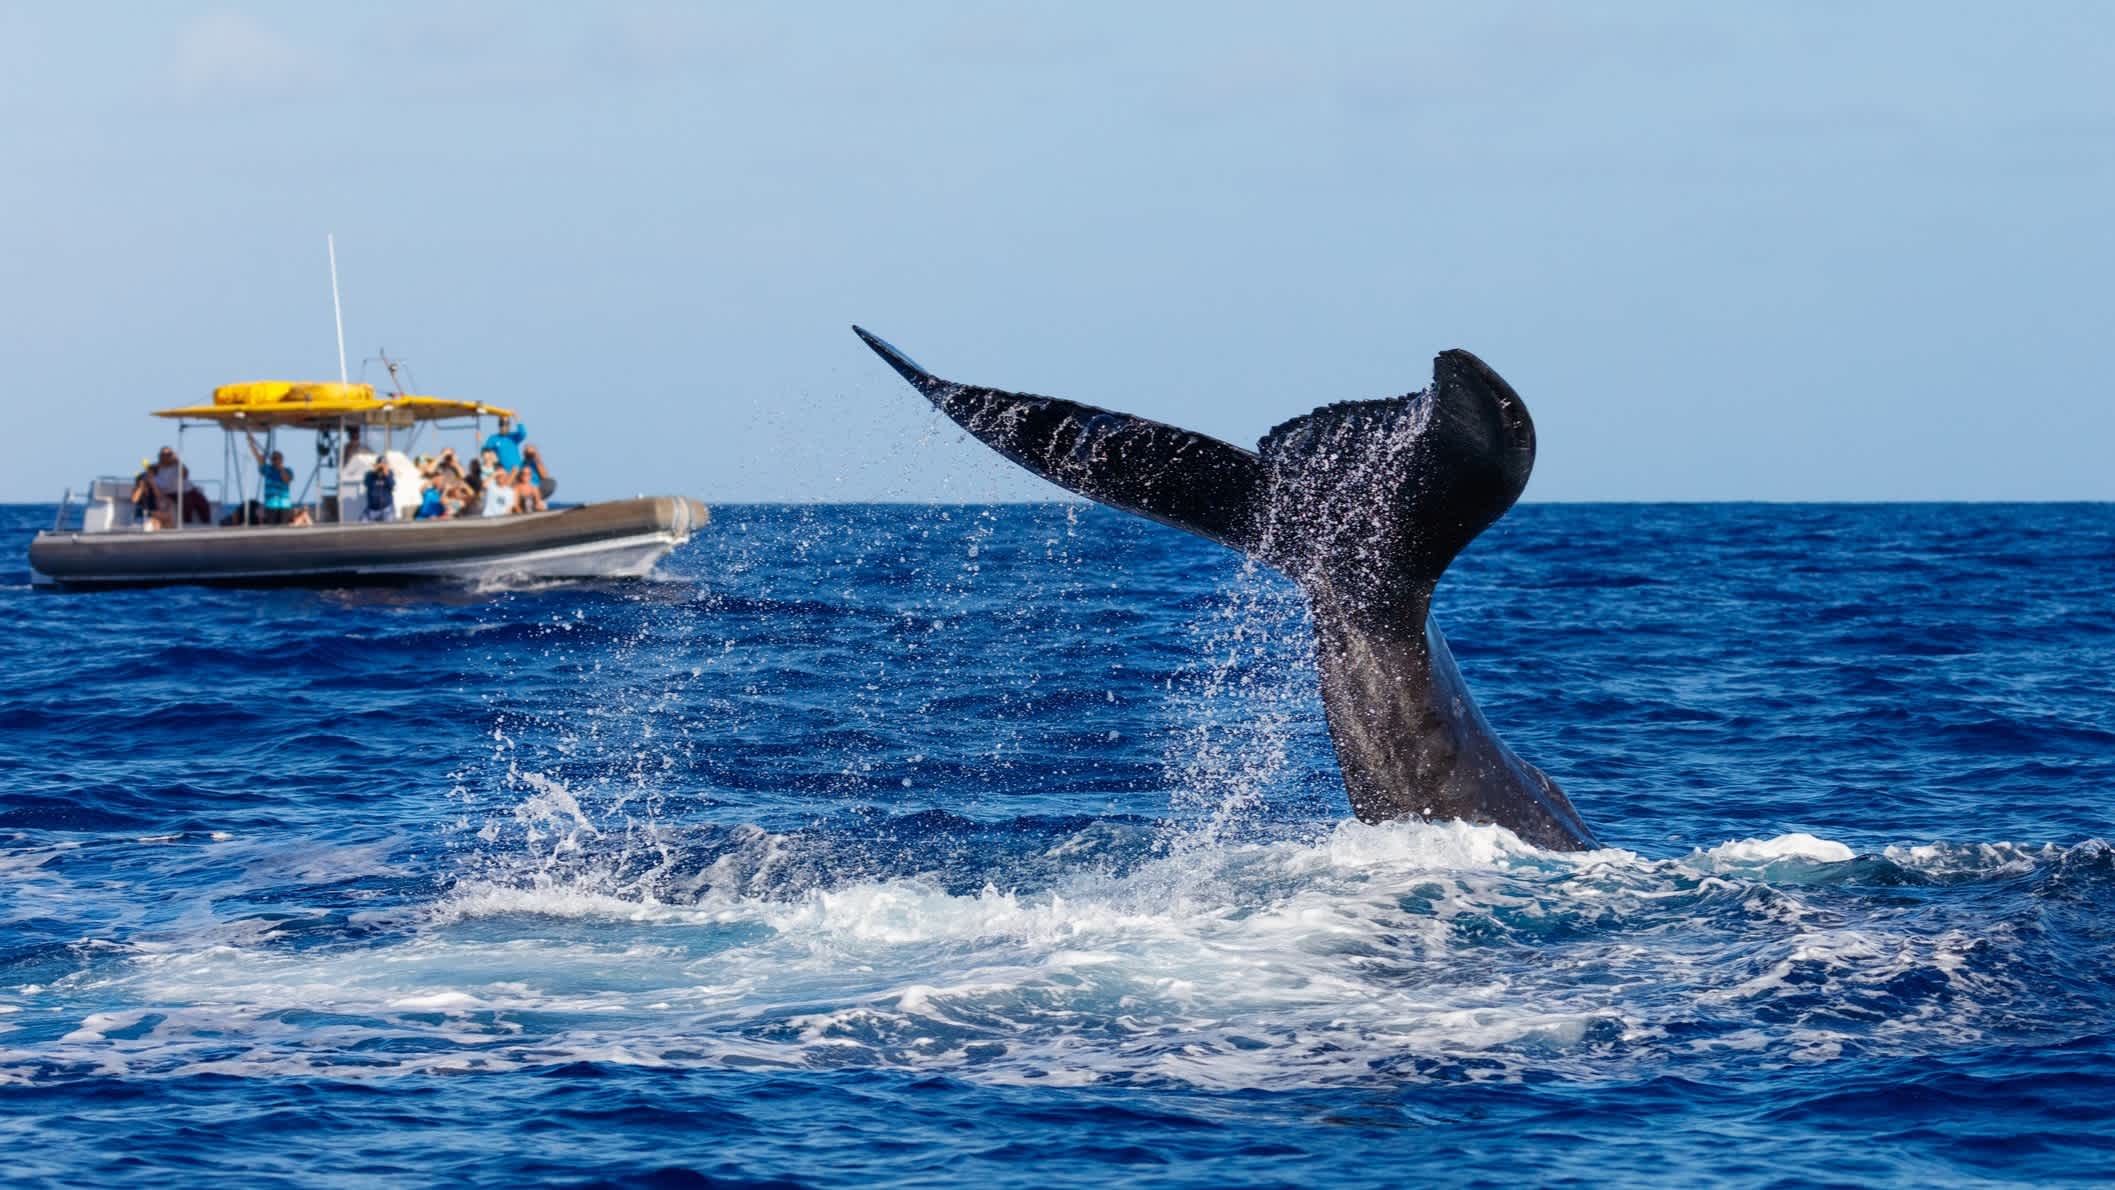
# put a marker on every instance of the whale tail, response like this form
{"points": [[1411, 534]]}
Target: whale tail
{"points": [[1180, 478], [1366, 501], [1363, 504]]}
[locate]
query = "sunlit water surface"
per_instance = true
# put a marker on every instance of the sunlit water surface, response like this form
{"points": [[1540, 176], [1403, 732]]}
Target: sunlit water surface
{"points": [[1006, 845]]}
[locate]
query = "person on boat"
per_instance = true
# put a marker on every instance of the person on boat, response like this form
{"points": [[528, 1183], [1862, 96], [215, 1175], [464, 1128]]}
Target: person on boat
{"points": [[172, 480], [457, 492], [459, 500], [166, 471], [527, 498], [488, 470], [381, 485], [499, 497], [539, 475], [433, 500], [506, 443], [473, 488], [147, 503], [357, 457], [461, 492], [354, 448], [354, 459], [278, 492]]}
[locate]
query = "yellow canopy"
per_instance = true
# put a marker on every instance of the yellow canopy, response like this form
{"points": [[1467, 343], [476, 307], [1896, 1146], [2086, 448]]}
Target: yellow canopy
{"points": [[319, 403]]}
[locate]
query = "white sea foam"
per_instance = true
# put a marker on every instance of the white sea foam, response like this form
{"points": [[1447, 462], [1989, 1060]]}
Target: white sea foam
{"points": [[1792, 846], [1409, 950], [1984, 860]]}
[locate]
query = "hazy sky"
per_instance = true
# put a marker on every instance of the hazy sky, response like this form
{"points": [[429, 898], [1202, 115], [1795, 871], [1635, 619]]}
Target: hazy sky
{"points": [[1776, 251]]}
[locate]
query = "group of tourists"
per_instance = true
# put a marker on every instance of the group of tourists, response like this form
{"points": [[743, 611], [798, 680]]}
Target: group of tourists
{"points": [[507, 476]]}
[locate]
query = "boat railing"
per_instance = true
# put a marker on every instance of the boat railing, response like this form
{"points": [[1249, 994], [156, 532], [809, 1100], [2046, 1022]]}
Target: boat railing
{"points": [[110, 490], [106, 507]]}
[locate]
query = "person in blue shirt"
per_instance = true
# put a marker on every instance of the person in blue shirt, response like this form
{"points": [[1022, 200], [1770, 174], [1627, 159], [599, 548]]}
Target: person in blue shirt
{"points": [[507, 443], [278, 487], [431, 504]]}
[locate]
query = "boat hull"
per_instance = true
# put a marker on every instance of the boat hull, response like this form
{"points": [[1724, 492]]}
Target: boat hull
{"points": [[619, 539]]}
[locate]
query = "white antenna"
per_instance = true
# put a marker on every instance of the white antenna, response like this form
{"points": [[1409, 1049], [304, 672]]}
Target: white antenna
{"points": [[337, 311]]}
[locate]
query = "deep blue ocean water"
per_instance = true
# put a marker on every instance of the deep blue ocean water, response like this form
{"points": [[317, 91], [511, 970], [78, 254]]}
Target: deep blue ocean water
{"points": [[924, 845]]}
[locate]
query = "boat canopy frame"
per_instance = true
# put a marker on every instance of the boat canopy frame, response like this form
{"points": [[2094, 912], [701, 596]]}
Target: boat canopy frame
{"points": [[319, 405], [322, 407]]}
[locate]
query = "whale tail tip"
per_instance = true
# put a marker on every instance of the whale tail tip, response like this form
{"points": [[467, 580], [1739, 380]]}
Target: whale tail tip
{"points": [[905, 366]]}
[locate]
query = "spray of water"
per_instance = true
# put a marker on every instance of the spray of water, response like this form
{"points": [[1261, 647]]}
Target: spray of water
{"points": [[1243, 699]]}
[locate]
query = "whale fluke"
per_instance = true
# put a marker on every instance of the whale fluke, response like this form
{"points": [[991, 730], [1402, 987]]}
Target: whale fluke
{"points": [[1188, 480], [1363, 504]]}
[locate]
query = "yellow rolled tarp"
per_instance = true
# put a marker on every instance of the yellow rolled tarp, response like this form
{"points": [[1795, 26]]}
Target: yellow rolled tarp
{"points": [[273, 392], [318, 403]]}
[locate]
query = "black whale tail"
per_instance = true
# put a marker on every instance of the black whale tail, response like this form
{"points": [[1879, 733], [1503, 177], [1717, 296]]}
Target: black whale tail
{"points": [[1362, 502], [1190, 481], [1372, 500]]}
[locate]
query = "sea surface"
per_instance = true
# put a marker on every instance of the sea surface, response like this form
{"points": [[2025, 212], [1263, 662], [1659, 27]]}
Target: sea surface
{"points": [[1004, 846]]}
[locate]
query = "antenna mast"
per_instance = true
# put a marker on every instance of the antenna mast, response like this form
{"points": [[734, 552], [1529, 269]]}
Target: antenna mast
{"points": [[337, 312]]}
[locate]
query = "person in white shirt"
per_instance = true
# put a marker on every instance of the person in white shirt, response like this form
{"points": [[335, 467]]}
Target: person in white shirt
{"points": [[499, 492], [170, 476]]}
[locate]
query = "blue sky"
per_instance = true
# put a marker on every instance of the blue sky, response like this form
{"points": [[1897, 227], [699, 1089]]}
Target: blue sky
{"points": [[1787, 251]]}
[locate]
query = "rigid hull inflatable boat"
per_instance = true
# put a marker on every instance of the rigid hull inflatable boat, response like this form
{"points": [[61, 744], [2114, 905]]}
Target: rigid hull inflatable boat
{"points": [[268, 526], [618, 539]]}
